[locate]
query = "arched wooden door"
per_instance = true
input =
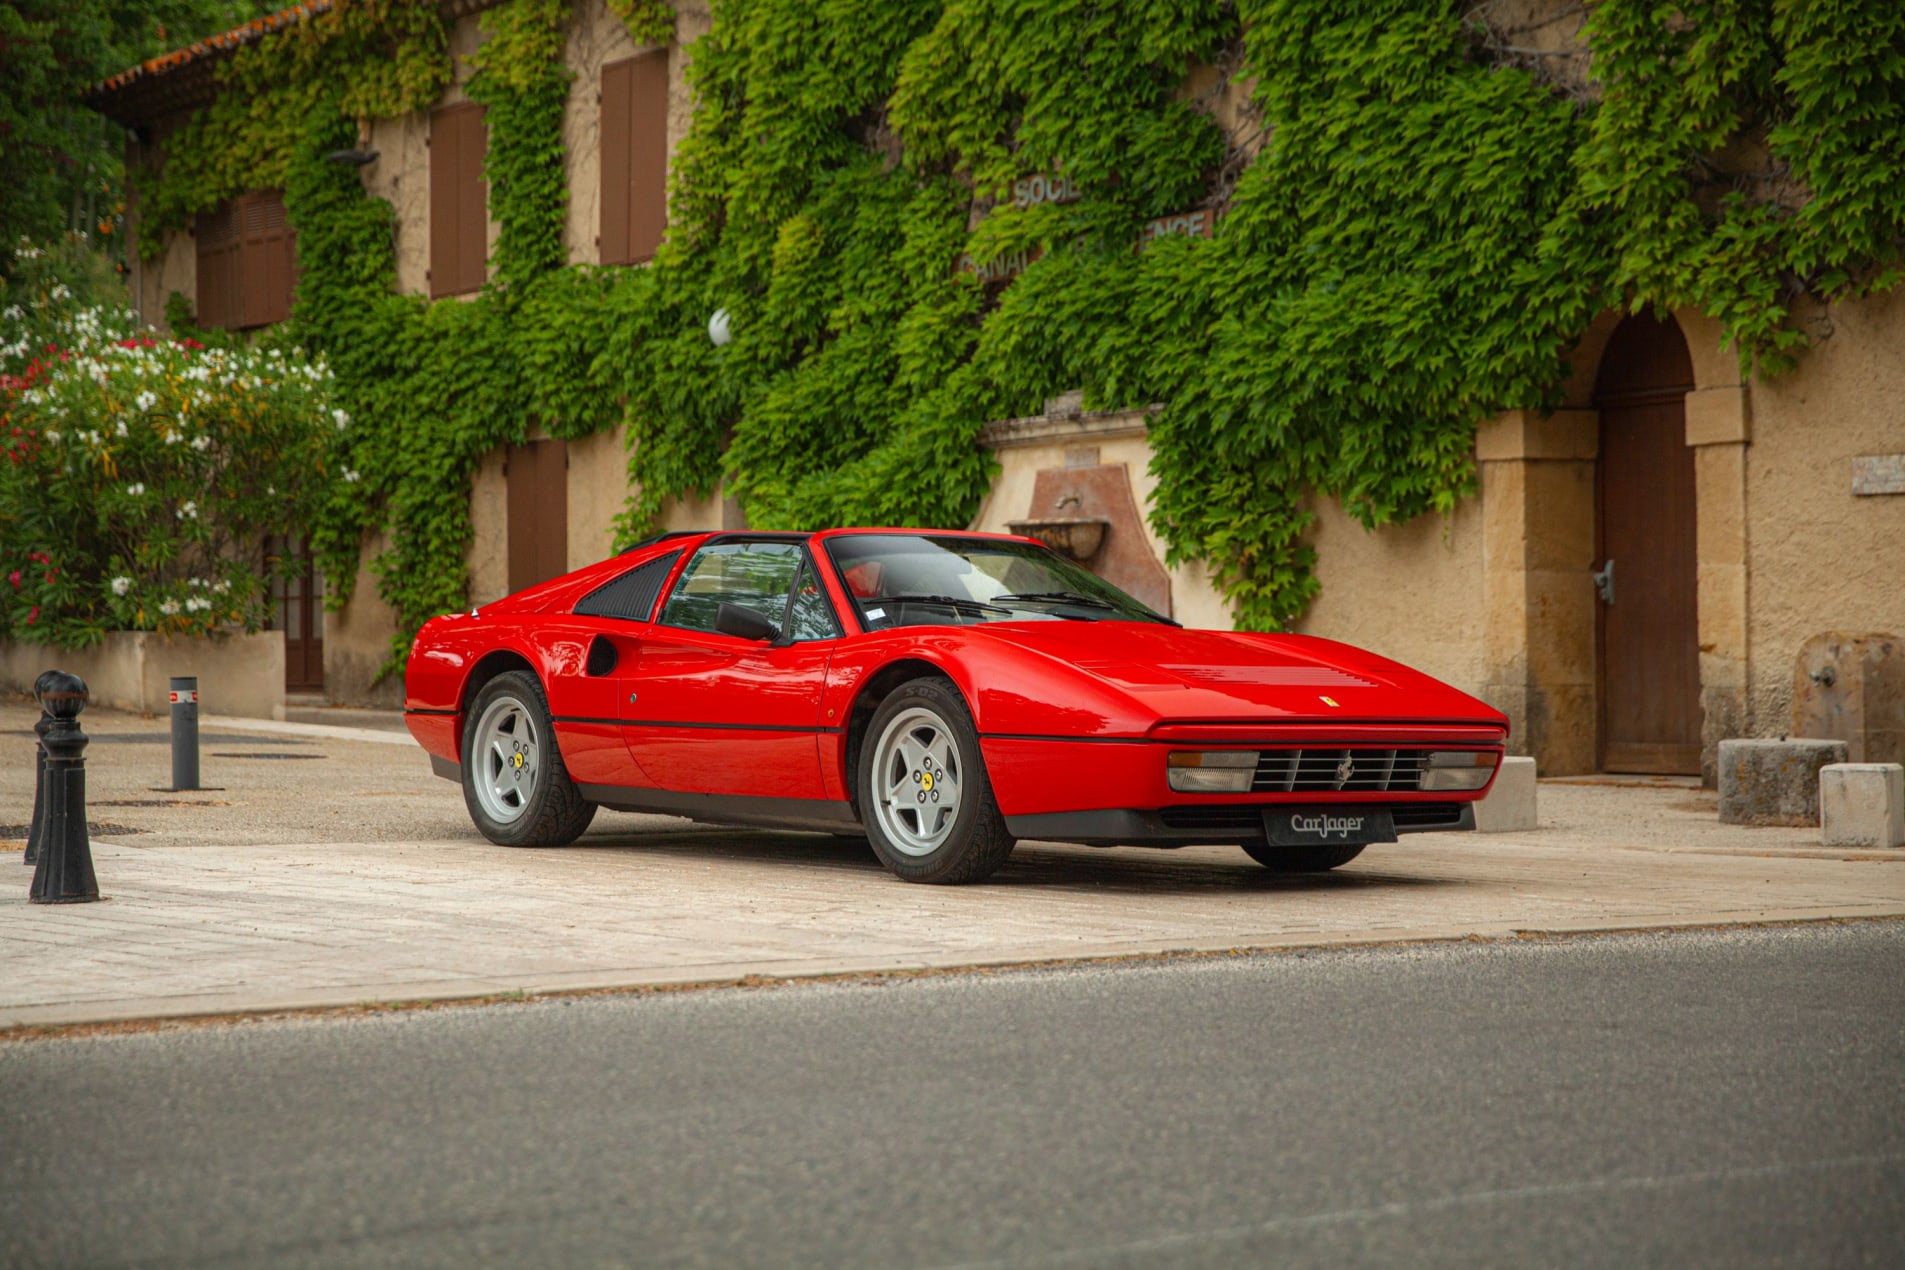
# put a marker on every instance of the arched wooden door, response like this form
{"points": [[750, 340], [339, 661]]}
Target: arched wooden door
{"points": [[1648, 628]]}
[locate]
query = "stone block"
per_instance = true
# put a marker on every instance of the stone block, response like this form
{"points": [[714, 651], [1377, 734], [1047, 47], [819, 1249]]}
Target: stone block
{"points": [[1862, 805], [1510, 804], [1719, 416], [1766, 782]]}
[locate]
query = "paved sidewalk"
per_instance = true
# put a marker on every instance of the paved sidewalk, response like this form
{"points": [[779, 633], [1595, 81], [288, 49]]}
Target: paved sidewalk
{"points": [[328, 867]]}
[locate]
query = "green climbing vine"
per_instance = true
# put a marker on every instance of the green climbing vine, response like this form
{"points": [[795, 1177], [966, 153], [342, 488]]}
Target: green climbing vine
{"points": [[1412, 231], [359, 58]]}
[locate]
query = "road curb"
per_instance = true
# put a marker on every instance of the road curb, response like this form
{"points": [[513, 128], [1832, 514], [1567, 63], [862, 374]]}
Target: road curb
{"points": [[135, 1019]]}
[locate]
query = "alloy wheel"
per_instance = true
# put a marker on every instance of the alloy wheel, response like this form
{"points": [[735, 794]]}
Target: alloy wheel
{"points": [[917, 781], [508, 755]]}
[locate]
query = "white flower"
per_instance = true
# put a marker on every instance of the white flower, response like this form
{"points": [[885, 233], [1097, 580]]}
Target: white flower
{"points": [[135, 490], [52, 436], [169, 607], [121, 585], [197, 603], [343, 420], [145, 401], [14, 313], [59, 292], [195, 582], [120, 431], [201, 444], [350, 476], [188, 511]]}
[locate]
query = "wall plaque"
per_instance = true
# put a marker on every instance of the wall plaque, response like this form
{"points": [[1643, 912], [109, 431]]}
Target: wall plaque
{"points": [[1878, 474]]}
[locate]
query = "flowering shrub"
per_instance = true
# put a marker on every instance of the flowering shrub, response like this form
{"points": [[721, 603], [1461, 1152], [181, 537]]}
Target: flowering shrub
{"points": [[140, 477]]}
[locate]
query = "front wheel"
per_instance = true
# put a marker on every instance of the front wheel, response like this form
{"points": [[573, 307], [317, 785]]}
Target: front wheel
{"points": [[514, 783], [1317, 859], [924, 794]]}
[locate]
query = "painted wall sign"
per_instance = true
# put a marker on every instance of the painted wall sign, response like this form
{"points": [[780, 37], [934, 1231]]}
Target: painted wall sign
{"points": [[1002, 269], [1030, 191], [1878, 474], [1197, 224]]}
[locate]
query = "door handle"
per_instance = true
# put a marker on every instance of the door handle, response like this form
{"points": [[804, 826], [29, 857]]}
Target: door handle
{"points": [[1604, 583]]}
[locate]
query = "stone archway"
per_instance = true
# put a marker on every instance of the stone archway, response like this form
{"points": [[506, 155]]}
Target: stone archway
{"points": [[1538, 482]]}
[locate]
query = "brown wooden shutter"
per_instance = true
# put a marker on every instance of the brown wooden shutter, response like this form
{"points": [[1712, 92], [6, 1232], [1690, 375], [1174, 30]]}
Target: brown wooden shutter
{"points": [[634, 138], [537, 478], [218, 253], [617, 81], [459, 201], [267, 263]]}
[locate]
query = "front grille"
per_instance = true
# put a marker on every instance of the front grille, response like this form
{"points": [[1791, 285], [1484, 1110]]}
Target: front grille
{"points": [[1332, 768]]}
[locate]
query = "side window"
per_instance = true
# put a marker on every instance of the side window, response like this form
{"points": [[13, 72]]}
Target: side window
{"points": [[812, 614], [753, 575]]}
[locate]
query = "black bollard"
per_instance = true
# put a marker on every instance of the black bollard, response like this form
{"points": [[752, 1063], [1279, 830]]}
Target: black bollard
{"points": [[184, 732], [64, 872], [39, 769]]}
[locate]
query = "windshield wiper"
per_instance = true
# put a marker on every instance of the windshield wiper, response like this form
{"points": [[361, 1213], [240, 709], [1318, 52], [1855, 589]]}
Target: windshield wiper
{"points": [[1077, 600], [1060, 597], [953, 602]]}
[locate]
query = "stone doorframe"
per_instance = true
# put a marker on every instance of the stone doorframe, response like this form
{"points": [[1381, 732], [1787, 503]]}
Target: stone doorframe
{"points": [[1537, 478]]}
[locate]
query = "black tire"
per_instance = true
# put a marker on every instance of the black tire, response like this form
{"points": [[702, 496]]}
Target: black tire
{"points": [[1317, 859], [507, 738], [946, 841]]}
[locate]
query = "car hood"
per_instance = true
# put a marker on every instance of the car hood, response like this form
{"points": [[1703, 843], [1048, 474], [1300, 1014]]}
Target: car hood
{"points": [[1244, 676]]}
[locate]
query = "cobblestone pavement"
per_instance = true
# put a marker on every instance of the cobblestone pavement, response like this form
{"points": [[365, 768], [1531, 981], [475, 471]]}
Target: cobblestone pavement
{"points": [[328, 867]]}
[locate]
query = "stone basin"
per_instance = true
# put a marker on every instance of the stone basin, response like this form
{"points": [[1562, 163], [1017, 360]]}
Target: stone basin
{"points": [[1079, 537]]}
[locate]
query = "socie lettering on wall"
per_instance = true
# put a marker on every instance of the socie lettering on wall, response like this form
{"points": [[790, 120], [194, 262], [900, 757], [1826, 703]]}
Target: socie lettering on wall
{"points": [[1031, 191]]}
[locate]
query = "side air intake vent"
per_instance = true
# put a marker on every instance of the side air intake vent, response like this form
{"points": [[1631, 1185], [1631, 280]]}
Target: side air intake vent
{"points": [[631, 596]]}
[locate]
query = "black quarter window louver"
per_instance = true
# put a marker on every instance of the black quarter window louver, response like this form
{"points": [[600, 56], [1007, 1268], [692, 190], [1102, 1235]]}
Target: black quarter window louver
{"points": [[630, 597]]}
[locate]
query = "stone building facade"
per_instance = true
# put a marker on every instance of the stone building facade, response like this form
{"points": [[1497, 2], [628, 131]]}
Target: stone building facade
{"points": [[1756, 527]]}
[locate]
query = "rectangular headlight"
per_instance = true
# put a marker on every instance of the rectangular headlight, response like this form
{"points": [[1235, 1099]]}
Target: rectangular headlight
{"points": [[1457, 769], [1212, 771]]}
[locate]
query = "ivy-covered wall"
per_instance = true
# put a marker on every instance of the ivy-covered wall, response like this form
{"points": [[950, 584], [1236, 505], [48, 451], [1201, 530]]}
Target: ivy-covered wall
{"points": [[1432, 218]]}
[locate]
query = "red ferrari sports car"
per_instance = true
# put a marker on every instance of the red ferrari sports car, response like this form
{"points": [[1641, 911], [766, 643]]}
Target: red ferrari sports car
{"points": [[945, 694]]}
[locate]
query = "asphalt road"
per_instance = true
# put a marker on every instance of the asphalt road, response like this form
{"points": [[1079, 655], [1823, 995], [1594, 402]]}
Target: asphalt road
{"points": [[1691, 1099]]}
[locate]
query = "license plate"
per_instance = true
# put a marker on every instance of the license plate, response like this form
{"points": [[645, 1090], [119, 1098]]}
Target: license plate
{"points": [[1309, 826]]}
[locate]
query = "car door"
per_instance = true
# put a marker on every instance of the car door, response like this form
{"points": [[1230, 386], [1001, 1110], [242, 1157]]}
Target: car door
{"points": [[714, 713], [590, 661]]}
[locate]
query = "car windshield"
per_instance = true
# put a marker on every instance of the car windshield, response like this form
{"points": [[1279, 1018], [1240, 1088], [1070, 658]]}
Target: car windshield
{"points": [[946, 580]]}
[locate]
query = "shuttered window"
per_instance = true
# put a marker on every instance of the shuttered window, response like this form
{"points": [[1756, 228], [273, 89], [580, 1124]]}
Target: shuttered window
{"points": [[537, 506], [634, 135], [247, 263], [459, 201]]}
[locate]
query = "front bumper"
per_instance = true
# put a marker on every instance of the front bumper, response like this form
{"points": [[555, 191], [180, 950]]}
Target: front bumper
{"points": [[1224, 824]]}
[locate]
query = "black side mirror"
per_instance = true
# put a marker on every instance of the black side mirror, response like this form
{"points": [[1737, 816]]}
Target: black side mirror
{"points": [[743, 623]]}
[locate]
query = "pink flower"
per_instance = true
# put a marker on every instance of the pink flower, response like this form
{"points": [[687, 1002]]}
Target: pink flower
{"points": [[14, 578], [31, 617]]}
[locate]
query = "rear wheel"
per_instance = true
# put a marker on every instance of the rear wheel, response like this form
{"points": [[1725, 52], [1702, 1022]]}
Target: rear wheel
{"points": [[924, 794], [514, 783], [1317, 859]]}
